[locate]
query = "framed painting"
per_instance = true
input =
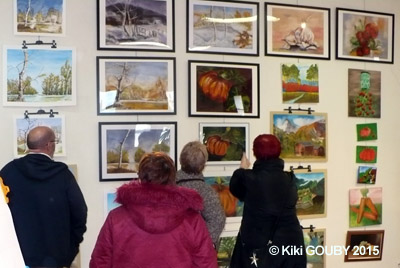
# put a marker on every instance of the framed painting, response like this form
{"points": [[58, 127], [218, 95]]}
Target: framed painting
{"points": [[24, 124], [143, 25], [109, 201], [219, 181], [365, 206], [135, 85], [364, 245], [300, 83], [364, 35], [226, 142], [366, 154], [225, 248], [224, 89], [297, 31], [122, 145], [364, 93], [311, 191], [39, 77], [302, 136], [367, 174], [223, 27], [40, 18], [314, 242], [367, 132]]}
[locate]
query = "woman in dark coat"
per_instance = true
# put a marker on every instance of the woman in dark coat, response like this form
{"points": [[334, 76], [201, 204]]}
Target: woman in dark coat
{"points": [[269, 195]]}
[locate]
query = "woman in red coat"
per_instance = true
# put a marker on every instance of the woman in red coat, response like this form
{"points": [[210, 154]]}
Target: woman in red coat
{"points": [[158, 224]]}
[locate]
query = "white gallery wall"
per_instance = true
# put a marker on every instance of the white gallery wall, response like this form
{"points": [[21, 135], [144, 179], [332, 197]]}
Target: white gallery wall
{"points": [[82, 120]]}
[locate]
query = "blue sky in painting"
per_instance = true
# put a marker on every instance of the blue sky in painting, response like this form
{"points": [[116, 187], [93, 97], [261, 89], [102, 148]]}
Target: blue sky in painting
{"points": [[40, 5], [40, 61], [310, 176], [157, 6], [297, 120]]}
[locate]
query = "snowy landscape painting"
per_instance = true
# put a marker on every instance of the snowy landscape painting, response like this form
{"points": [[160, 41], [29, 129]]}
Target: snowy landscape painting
{"points": [[40, 17], [223, 27], [136, 24]]}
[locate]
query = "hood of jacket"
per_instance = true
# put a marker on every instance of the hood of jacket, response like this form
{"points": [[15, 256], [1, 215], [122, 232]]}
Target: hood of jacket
{"points": [[158, 208], [38, 166]]}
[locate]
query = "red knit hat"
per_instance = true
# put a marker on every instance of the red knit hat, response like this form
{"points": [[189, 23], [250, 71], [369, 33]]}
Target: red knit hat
{"points": [[266, 146]]}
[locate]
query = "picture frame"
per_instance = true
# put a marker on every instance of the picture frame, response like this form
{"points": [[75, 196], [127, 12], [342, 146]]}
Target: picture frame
{"points": [[288, 35], [314, 242], [311, 191], [40, 18], [154, 32], [364, 93], [219, 181], [135, 85], [227, 242], [109, 201], [223, 27], [312, 130], [237, 94], [22, 126], [300, 83], [49, 77], [366, 245], [365, 206], [225, 142], [364, 36], [122, 145]]}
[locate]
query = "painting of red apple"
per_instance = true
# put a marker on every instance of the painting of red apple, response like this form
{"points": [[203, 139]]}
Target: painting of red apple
{"points": [[367, 132]]}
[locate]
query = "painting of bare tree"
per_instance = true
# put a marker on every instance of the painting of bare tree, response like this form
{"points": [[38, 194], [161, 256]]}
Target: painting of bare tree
{"points": [[135, 24], [228, 27], [136, 85], [40, 17], [39, 77], [24, 125], [123, 144]]}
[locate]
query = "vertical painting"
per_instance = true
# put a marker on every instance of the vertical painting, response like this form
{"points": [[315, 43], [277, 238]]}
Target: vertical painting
{"points": [[225, 143], [365, 206], [24, 125], [297, 31], [367, 174], [135, 25], [302, 136], [225, 248], [136, 85], [311, 192], [314, 241], [123, 144], [366, 154], [367, 132], [224, 27], [364, 93], [233, 207], [40, 17], [39, 77], [300, 83]]}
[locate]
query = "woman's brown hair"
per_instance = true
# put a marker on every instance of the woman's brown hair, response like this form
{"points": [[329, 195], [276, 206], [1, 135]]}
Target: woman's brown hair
{"points": [[157, 168]]}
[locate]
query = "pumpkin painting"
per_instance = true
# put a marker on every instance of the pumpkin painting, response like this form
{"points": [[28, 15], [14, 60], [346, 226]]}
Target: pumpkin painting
{"points": [[228, 201], [366, 154], [215, 87], [217, 146]]}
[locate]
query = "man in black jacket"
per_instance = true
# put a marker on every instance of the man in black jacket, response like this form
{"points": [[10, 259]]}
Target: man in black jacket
{"points": [[46, 203]]}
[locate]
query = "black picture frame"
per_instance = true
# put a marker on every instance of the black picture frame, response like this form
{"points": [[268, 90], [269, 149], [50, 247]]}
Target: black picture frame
{"points": [[222, 27], [287, 35], [156, 32], [132, 139], [364, 36]]}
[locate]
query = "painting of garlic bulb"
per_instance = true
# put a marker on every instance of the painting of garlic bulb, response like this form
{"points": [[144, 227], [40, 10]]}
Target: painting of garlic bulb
{"points": [[297, 31]]}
